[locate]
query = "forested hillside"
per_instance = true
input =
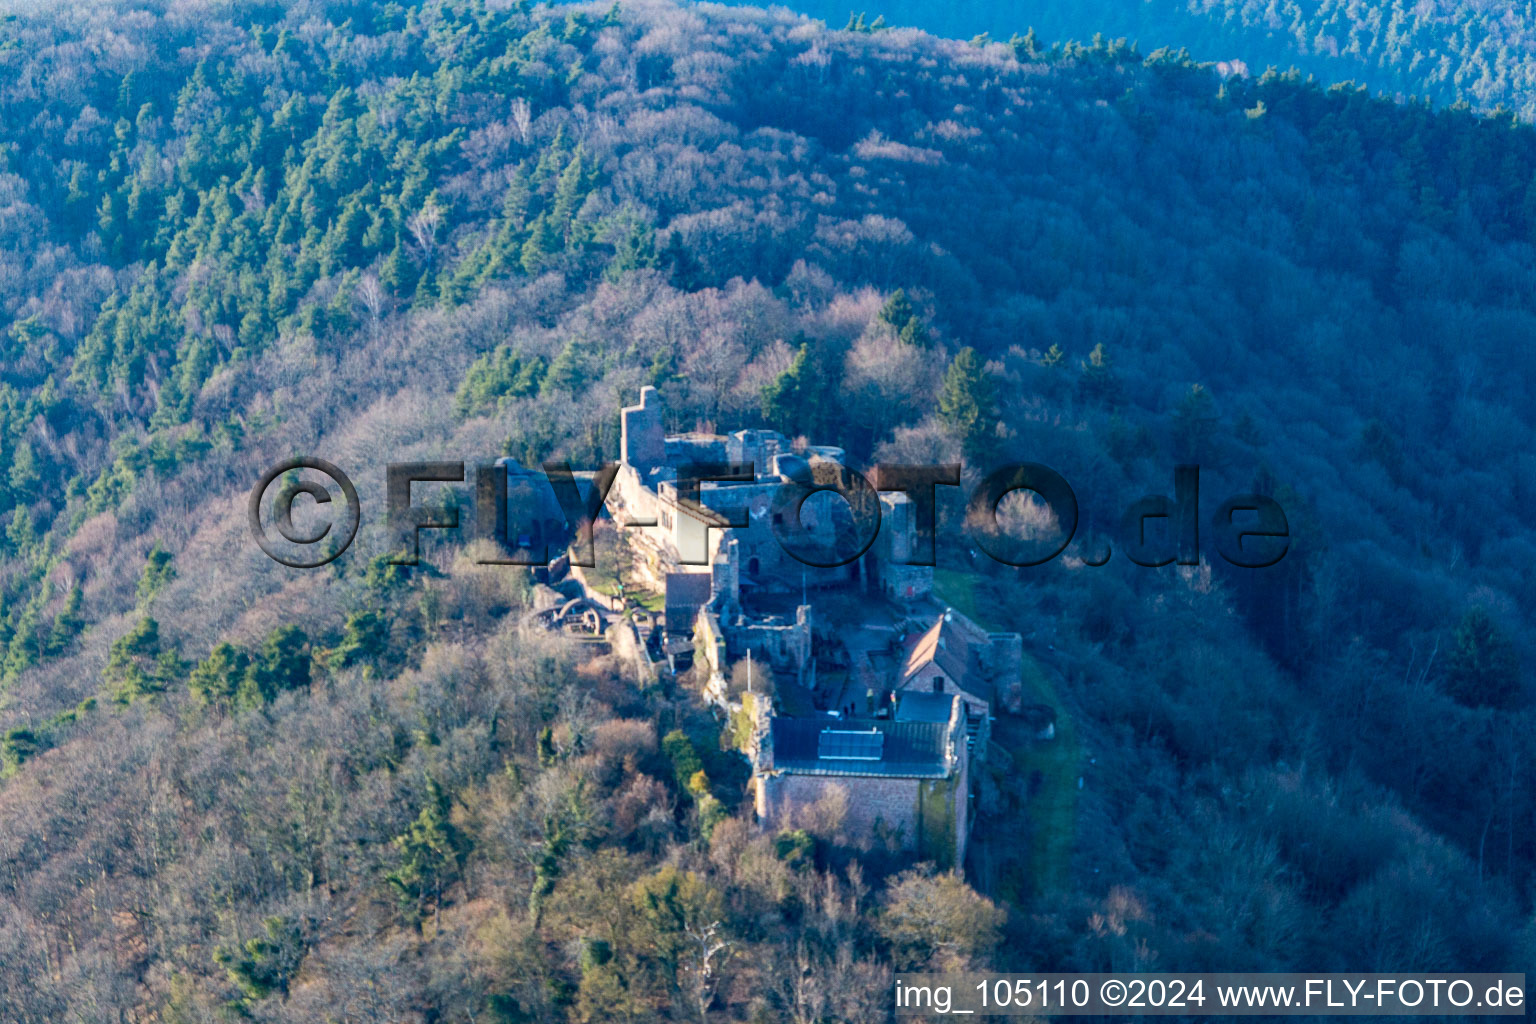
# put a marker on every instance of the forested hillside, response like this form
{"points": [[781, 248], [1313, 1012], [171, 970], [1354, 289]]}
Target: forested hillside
{"points": [[458, 229], [1448, 52]]}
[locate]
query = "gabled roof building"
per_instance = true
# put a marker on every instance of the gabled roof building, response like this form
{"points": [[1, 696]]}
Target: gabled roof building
{"points": [[905, 781]]}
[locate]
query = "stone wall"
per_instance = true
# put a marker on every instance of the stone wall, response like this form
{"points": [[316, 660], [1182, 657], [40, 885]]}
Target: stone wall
{"points": [[929, 817], [784, 643], [886, 561], [709, 655], [784, 800], [1005, 659], [643, 440]]}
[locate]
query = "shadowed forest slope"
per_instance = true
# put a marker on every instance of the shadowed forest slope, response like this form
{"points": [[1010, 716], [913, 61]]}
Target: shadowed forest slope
{"points": [[1445, 51]]}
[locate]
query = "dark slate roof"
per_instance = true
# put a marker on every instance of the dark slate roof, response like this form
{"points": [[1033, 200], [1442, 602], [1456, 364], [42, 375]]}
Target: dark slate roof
{"points": [[688, 587], [686, 593], [917, 706], [826, 746]]}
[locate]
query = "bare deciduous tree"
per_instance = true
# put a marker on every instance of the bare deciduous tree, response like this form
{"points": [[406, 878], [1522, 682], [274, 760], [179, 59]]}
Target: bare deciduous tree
{"points": [[423, 226], [522, 120], [370, 295]]}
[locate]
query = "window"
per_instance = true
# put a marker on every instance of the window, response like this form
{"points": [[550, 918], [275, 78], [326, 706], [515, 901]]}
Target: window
{"points": [[849, 745]]}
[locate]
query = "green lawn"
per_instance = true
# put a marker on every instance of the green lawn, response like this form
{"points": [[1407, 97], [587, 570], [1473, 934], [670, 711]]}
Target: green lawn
{"points": [[602, 579], [1053, 808], [651, 602], [957, 588]]}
